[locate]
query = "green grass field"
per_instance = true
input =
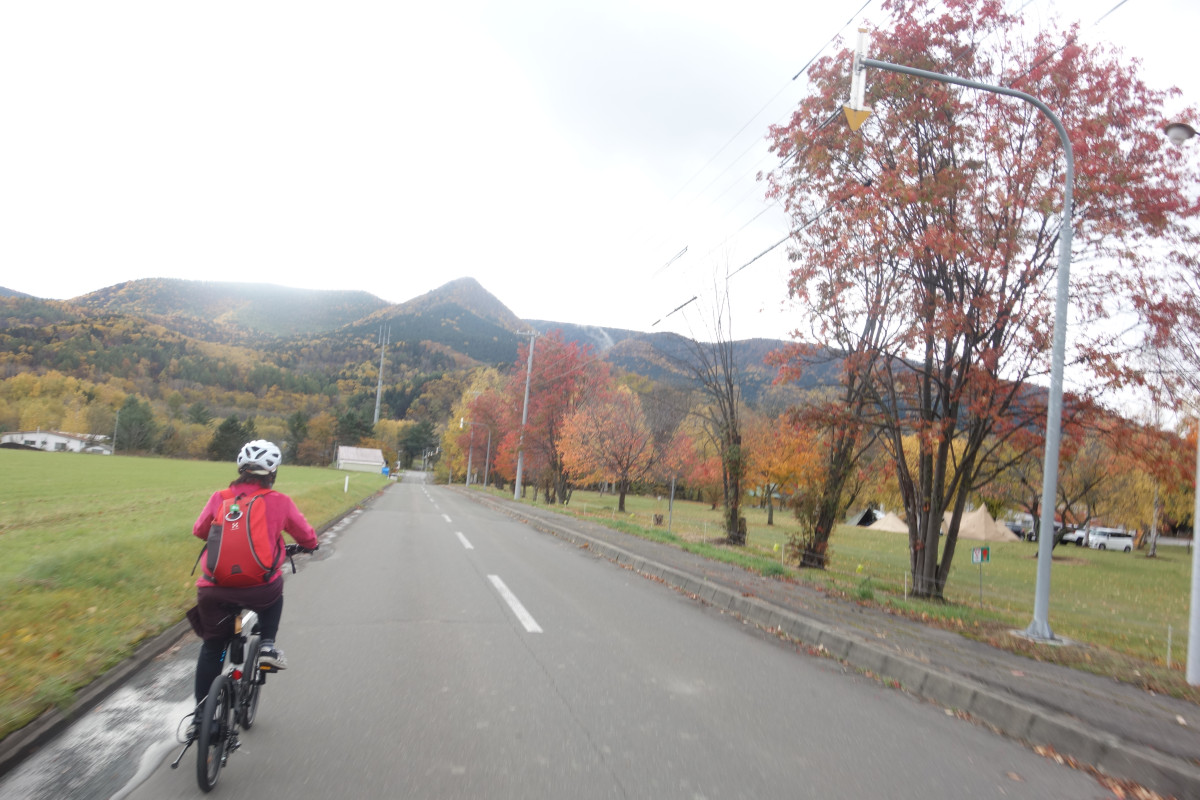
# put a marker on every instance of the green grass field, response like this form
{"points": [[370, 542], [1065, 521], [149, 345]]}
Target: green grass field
{"points": [[1123, 606], [95, 556]]}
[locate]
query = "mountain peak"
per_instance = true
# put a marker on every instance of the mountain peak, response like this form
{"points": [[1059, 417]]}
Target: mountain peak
{"points": [[466, 293]]}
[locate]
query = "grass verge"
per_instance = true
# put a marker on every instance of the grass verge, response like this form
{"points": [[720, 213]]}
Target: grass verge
{"points": [[1128, 612]]}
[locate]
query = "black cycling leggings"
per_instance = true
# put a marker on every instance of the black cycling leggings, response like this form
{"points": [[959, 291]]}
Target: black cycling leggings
{"points": [[208, 664]]}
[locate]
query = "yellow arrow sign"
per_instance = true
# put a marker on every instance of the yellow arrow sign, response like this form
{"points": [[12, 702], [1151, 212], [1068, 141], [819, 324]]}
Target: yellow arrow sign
{"points": [[856, 117]]}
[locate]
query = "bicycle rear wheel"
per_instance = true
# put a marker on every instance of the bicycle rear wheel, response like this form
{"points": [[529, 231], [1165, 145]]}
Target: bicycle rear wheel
{"points": [[213, 736], [252, 681]]}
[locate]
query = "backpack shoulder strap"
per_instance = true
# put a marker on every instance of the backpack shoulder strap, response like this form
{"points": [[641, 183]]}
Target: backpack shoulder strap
{"points": [[280, 553]]}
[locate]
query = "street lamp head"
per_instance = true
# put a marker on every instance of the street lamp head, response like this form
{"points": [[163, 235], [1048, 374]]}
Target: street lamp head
{"points": [[1179, 132]]}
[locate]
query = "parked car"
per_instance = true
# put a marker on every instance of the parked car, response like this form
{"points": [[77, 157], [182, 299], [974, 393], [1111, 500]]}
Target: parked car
{"points": [[1075, 536], [1110, 539], [1020, 532]]}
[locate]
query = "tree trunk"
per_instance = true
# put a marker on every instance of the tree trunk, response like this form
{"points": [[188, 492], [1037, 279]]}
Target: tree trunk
{"points": [[814, 554], [734, 527], [925, 554]]}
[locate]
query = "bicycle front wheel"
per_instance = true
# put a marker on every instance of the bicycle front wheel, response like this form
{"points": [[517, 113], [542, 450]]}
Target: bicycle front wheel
{"points": [[252, 681], [213, 736]]}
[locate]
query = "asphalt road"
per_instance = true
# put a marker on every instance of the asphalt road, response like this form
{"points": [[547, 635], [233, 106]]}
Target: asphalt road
{"points": [[438, 649]]}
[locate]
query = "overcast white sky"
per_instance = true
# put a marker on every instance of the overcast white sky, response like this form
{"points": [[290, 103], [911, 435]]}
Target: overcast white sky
{"points": [[559, 152]]}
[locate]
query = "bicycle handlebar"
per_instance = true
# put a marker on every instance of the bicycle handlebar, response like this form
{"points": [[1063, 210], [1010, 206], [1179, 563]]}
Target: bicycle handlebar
{"points": [[293, 549]]}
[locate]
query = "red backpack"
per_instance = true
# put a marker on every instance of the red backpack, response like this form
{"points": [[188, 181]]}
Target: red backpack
{"points": [[241, 550]]}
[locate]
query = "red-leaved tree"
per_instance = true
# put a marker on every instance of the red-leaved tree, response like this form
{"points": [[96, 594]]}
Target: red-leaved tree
{"points": [[953, 199], [564, 375]]}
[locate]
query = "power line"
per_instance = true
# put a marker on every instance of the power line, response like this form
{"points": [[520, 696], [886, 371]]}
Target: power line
{"points": [[1106, 13], [756, 115], [807, 222], [831, 40], [672, 260], [760, 255], [672, 311], [1070, 41]]}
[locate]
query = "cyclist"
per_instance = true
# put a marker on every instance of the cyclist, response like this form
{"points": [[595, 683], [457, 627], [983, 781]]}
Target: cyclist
{"points": [[217, 606]]}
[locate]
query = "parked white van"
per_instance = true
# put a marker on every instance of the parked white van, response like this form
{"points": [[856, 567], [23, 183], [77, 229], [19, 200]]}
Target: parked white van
{"points": [[1110, 539]]}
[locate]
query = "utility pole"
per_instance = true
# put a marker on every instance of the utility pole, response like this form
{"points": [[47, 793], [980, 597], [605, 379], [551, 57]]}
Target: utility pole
{"points": [[470, 449], [116, 425], [383, 343], [524, 416]]}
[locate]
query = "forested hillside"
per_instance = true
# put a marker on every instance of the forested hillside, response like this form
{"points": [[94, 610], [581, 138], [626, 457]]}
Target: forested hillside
{"points": [[177, 357]]}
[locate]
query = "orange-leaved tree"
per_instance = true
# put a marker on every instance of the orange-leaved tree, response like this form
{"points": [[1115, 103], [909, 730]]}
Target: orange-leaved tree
{"points": [[607, 438], [779, 456]]}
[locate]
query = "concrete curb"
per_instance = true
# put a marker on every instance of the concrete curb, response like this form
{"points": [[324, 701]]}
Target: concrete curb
{"points": [[1108, 754], [22, 743]]}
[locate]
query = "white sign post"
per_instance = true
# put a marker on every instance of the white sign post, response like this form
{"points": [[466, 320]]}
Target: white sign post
{"points": [[978, 556]]}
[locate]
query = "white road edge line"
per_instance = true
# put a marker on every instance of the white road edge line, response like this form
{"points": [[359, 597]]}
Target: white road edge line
{"points": [[464, 541], [524, 616]]}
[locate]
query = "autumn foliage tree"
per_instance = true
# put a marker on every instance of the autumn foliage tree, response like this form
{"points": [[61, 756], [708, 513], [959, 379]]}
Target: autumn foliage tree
{"points": [[607, 438], [836, 418], [954, 200], [689, 458], [778, 456], [477, 422], [564, 375]]}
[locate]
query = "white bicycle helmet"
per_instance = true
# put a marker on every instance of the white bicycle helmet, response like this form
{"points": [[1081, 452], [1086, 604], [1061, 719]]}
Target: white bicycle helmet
{"points": [[259, 457]]}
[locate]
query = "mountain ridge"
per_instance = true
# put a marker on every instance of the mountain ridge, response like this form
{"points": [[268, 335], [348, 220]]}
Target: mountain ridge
{"points": [[324, 333]]}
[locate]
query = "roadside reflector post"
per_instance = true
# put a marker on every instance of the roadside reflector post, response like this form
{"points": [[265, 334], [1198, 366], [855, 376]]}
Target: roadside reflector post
{"points": [[978, 556]]}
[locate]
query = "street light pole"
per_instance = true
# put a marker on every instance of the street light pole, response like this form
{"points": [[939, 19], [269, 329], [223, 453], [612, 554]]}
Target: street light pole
{"points": [[1178, 133], [1193, 651], [1039, 628]]}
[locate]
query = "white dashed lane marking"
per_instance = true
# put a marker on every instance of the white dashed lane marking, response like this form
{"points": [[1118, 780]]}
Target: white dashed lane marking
{"points": [[524, 616]]}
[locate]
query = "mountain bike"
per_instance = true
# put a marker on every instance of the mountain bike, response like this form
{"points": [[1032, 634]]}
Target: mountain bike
{"points": [[232, 701]]}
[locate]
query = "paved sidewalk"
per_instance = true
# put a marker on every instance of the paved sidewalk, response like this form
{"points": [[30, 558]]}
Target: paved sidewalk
{"points": [[1120, 730]]}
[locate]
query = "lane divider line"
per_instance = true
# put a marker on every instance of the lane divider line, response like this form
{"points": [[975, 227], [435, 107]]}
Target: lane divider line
{"points": [[446, 517], [524, 616], [464, 541]]}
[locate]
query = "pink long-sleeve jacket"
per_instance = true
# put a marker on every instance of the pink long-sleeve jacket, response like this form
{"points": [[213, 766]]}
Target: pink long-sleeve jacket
{"points": [[282, 516]]}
